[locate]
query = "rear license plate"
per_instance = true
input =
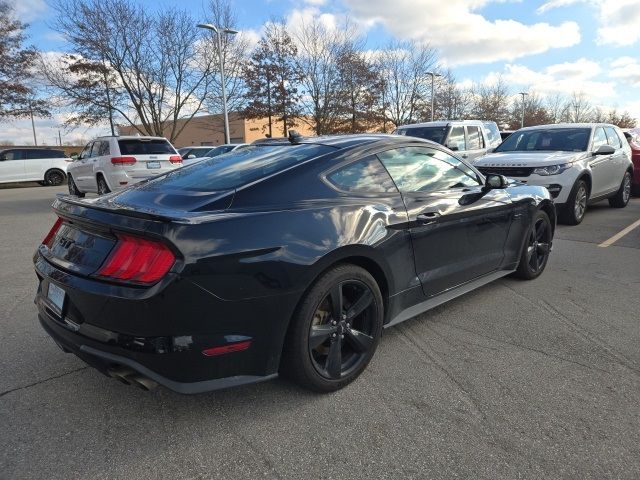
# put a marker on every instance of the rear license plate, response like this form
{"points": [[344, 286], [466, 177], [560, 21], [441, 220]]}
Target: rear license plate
{"points": [[153, 164], [56, 296]]}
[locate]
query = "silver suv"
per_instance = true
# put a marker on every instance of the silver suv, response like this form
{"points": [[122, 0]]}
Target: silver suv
{"points": [[470, 139]]}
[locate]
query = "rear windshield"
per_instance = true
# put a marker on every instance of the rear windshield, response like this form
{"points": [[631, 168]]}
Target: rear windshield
{"points": [[239, 167], [552, 139], [142, 146], [435, 134], [214, 152]]}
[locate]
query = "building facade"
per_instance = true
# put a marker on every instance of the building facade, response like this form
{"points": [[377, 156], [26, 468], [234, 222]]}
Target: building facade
{"points": [[209, 130]]}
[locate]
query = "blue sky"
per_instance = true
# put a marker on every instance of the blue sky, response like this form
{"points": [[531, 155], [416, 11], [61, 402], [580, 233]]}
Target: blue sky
{"points": [[547, 46]]}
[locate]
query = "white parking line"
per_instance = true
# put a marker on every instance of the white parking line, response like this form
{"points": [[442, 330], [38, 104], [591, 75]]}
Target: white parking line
{"points": [[620, 234]]}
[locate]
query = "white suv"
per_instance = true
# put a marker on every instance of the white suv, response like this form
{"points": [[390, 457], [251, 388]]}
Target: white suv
{"points": [[580, 164], [470, 139], [45, 165], [111, 163]]}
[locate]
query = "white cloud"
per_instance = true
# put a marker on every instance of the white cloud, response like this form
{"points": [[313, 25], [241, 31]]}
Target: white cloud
{"points": [[619, 20], [463, 35], [627, 70], [29, 10], [564, 78]]}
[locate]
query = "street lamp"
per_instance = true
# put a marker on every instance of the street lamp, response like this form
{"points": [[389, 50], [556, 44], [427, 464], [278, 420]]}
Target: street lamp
{"points": [[433, 75], [522, 118], [219, 31]]}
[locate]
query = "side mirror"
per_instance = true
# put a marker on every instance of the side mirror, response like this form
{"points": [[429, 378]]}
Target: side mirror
{"points": [[605, 150], [453, 147], [492, 181], [190, 156], [74, 156]]}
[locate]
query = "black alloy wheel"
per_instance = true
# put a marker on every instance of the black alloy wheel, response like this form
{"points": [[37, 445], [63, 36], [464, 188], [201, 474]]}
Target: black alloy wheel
{"points": [[537, 248], [54, 178], [103, 188], [335, 330], [342, 331]]}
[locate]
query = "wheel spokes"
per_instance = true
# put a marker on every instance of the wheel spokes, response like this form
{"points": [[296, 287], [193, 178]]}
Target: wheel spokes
{"points": [[334, 359], [360, 305], [361, 342], [319, 334], [336, 302], [543, 248]]}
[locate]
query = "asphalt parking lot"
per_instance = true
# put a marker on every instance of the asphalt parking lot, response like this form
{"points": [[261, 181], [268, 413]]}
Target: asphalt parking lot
{"points": [[516, 380]]}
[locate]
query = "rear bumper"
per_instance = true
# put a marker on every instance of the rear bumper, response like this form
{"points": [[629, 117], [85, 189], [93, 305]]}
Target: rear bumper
{"points": [[106, 359], [162, 332]]}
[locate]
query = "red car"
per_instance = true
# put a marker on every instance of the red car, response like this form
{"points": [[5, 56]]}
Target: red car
{"points": [[633, 137]]}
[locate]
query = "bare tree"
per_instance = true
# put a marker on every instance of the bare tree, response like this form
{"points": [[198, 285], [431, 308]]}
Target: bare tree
{"points": [[555, 107], [403, 68], [151, 64], [577, 109], [235, 53], [451, 101], [491, 102], [16, 68], [320, 51], [535, 111]]}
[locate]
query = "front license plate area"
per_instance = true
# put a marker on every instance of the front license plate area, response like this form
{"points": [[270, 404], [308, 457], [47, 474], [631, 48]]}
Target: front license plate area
{"points": [[56, 296], [153, 164]]}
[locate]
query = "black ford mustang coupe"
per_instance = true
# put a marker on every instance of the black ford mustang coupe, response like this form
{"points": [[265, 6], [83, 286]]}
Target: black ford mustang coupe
{"points": [[287, 256]]}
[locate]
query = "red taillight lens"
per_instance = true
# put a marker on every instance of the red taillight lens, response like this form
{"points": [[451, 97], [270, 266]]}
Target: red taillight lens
{"points": [[137, 260], [123, 160], [52, 232], [175, 159]]}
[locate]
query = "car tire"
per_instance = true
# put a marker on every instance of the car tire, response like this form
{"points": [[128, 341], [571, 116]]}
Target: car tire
{"points": [[103, 188], [576, 206], [335, 330], [536, 249], [73, 188], [621, 198], [54, 177]]}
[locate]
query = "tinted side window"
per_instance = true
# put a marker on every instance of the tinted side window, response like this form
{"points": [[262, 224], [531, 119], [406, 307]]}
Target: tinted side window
{"points": [[613, 138], [456, 139], [599, 138], [104, 148], [422, 169], [36, 154], [14, 155], [366, 175], [474, 140], [95, 149]]}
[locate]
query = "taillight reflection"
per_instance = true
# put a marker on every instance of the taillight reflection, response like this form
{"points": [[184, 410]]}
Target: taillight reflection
{"points": [[47, 240]]}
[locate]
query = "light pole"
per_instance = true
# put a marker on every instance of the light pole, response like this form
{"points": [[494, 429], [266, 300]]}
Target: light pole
{"points": [[522, 118], [433, 75], [219, 31]]}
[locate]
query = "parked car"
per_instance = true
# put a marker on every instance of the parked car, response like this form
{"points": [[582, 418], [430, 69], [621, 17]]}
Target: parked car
{"points": [[282, 257], [216, 151], [45, 165], [470, 139], [194, 152], [633, 138], [579, 163], [111, 163]]}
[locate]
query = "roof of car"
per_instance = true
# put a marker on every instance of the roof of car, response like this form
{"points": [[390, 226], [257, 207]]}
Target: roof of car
{"points": [[337, 141], [568, 125], [444, 123]]}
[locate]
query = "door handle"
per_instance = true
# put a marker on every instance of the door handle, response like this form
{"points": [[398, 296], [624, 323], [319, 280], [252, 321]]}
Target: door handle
{"points": [[427, 217]]}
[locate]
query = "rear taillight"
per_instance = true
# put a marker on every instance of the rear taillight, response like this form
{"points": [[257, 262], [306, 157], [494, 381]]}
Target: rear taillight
{"points": [[52, 232], [137, 260], [175, 159], [123, 160]]}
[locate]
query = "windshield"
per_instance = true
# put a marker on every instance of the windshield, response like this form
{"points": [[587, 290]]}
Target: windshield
{"points": [[435, 134], [551, 139], [144, 146], [238, 167]]}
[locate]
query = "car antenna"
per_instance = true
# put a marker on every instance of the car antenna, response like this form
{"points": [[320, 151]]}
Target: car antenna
{"points": [[294, 137]]}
